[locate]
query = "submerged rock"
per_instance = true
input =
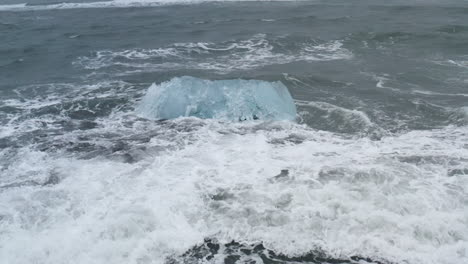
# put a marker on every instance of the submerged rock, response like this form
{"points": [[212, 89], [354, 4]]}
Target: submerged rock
{"points": [[211, 251]]}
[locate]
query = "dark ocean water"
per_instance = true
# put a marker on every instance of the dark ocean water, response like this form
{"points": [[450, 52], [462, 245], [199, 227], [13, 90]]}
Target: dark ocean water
{"points": [[374, 168]]}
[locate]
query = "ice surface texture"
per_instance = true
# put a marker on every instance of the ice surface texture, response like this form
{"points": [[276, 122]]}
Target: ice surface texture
{"points": [[236, 100]]}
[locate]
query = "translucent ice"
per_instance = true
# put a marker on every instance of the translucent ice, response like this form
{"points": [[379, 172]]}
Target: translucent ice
{"points": [[236, 100]]}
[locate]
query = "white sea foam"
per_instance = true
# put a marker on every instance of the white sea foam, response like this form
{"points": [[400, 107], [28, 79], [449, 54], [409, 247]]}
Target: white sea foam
{"points": [[258, 51], [382, 81], [115, 4], [462, 62], [393, 199], [12, 7], [349, 112], [60, 97], [458, 63], [438, 94], [336, 117]]}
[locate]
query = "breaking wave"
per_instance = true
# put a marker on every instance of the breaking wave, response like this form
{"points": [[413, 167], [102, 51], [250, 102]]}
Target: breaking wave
{"points": [[291, 188]]}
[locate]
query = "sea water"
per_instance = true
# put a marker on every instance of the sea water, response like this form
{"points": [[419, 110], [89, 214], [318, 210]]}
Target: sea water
{"points": [[137, 131]]}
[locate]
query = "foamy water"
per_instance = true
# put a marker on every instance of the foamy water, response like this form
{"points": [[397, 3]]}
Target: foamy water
{"points": [[116, 4], [400, 199]]}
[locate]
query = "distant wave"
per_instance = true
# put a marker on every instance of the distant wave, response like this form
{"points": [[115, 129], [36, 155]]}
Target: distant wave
{"points": [[116, 4], [258, 51], [438, 94]]}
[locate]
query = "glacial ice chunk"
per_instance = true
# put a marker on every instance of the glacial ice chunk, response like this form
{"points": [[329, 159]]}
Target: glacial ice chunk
{"points": [[236, 100]]}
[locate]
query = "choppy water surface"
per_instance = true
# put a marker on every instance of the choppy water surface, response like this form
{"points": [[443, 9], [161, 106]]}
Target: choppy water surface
{"points": [[374, 168]]}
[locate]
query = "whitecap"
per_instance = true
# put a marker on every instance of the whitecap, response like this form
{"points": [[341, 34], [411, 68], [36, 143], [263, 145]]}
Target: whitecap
{"points": [[113, 4]]}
